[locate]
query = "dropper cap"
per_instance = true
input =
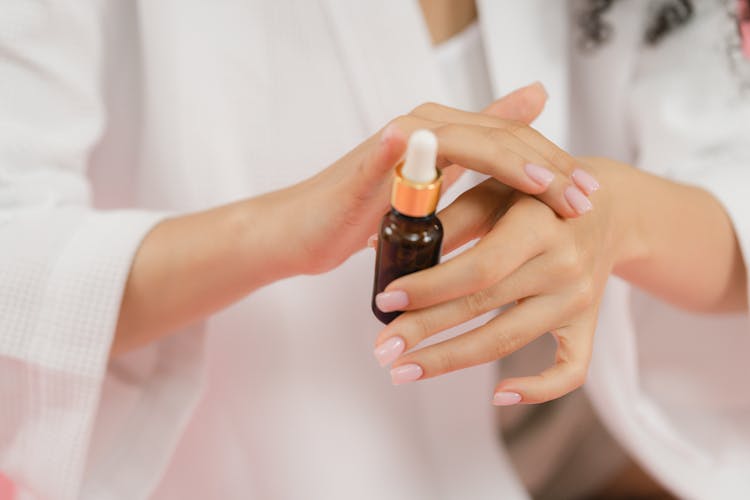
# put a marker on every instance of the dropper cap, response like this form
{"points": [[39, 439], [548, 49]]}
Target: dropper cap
{"points": [[416, 187], [421, 154]]}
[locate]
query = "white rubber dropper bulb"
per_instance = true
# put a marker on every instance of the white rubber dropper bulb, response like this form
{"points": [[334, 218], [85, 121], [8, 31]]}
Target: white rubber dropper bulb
{"points": [[421, 154]]}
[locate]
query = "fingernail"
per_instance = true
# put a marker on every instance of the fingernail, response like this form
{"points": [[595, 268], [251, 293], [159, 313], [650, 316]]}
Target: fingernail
{"points": [[388, 131], [541, 87], [387, 352], [506, 398], [578, 200], [405, 374], [538, 174], [392, 301], [585, 181], [372, 241]]}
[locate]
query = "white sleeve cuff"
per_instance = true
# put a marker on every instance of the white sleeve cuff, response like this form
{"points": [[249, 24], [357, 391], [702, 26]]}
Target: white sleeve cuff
{"points": [[62, 275]]}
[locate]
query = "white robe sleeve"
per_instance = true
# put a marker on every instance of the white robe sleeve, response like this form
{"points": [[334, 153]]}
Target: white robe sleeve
{"points": [[672, 386], [63, 265]]}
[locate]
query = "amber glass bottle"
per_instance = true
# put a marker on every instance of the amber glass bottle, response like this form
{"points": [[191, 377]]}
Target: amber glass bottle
{"points": [[411, 235]]}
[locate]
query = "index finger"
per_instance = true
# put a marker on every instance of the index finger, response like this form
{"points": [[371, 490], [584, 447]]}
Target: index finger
{"points": [[500, 153], [488, 262], [563, 177]]}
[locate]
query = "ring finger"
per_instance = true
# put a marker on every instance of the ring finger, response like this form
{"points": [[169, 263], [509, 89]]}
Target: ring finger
{"points": [[413, 327], [497, 338]]}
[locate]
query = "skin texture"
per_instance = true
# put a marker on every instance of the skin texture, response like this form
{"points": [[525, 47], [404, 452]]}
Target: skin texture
{"points": [[552, 271], [189, 267]]}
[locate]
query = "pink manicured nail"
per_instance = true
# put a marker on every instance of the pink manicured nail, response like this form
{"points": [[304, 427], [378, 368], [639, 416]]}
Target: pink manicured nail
{"points": [[506, 398], [578, 200], [392, 301], [540, 175], [372, 241], [387, 352], [541, 87], [406, 373], [585, 181], [387, 133]]}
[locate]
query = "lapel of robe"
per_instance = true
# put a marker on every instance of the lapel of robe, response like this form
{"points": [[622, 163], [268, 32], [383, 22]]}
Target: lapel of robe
{"points": [[525, 42], [386, 51]]}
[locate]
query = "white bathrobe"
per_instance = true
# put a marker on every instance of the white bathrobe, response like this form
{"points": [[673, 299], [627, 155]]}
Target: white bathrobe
{"points": [[115, 115]]}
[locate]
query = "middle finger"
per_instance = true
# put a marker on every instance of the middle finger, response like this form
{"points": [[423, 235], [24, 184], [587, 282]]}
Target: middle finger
{"points": [[411, 328]]}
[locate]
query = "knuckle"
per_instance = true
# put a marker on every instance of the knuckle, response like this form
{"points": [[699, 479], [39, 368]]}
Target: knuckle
{"points": [[484, 272], [418, 326], [578, 375], [477, 303], [446, 129], [513, 126], [541, 220], [401, 121], [496, 140], [584, 295], [445, 361], [498, 136], [426, 109], [502, 347], [571, 264], [552, 226], [562, 160], [541, 235]]}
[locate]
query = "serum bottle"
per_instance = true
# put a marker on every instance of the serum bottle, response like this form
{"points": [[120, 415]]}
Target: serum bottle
{"points": [[411, 235]]}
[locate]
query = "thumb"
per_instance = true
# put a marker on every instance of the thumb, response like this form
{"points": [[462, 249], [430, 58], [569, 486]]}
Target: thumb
{"points": [[524, 104], [380, 159]]}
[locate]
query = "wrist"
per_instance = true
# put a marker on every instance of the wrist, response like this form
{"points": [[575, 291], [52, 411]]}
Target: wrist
{"points": [[620, 182], [267, 232]]}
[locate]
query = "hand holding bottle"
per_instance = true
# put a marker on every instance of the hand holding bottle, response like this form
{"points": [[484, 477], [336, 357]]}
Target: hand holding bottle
{"points": [[551, 272], [193, 265], [342, 205]]}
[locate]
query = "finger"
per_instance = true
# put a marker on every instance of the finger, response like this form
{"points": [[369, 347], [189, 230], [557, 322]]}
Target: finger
{"points": [[545, 161], [451, 174], [383, 151], [555, 155], [497, 338], [439, 113], [383, 155], [370, 183], [514, 240], [524, 104], [574, 345], [473, 213], [411, 328], [500, 153]]}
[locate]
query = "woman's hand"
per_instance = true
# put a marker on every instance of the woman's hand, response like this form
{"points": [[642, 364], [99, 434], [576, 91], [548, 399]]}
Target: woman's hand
{"points": [[550, 270], [193, 265], [341, 206]]}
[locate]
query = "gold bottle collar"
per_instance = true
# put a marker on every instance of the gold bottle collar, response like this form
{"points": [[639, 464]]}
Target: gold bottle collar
{"points": [[413, 198]]}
